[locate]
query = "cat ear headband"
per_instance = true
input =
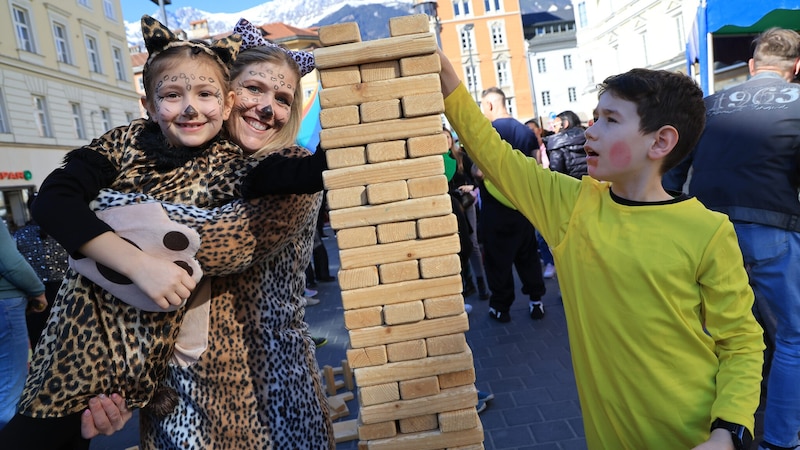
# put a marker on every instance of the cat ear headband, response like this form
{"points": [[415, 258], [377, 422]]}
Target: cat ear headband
{"points": [[158, 38], [251, 37]]}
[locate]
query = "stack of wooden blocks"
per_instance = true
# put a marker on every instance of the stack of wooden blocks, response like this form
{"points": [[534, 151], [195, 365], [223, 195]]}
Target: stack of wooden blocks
{"points": [[400, 271]]}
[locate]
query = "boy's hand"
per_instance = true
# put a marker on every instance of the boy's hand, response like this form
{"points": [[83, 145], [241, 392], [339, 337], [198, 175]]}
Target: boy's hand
{"points": [[720, 439], [104, 416], [448, 76], [37, 304], [163, 281]]}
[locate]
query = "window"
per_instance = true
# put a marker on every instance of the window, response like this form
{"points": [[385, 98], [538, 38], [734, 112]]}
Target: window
{"points": [[77, 121], [86, 3], [502, 73], [62, 43], [94, 57], [108, 9], [467, 40], [498, 37], [572, 93], [680, 38], [141, 84], [472, 78], [582, 18], [22, 26], [644, 49], [40, 116], [128, 117], [589, 71], [4, 125], [545, 98], [510, 106], [541, 65], [119, 65], [491, 5], [460, 8], [105, 117], [567, 62]]}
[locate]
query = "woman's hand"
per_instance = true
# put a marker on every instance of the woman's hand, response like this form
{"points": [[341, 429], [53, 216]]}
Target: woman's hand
{"points": [[37, 304]]}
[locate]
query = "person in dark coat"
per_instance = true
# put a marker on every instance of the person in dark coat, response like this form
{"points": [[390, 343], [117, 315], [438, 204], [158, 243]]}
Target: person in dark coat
{"points": [[565, 148]]}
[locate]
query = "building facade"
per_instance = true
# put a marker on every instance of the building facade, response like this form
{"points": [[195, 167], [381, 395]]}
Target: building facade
{"points": [[65, 78]]}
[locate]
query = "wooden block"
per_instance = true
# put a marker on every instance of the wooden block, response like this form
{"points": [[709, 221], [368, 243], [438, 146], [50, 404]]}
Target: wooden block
{"points": [[340, 33], [409, 370], [420, 423], [351, 258], [419, 65], [478, 446], [406, 351], [415, 208], [337, 408], [399, 313], [386, 151], [446, 345], [347, 373], [379, 393], [396, 231], [431, 227], [340, 76], [429, 440], [460, 419], [449, 305], [356, 94], [423, 105], [427, 186], [345, 157], [419, 387], [447, 400], [356, 237], [364, 337], [377, 430], [380, 111], [363, 317], [358, 278], [330, 381], [412, 24], [345, 431], [390, 191], [347, 197], [431, 144], [399, 271], [339, 117], [382, 172], [374, 51], [367, 356], [384, 70], [440, 266], [457, 378], [387, 130], [404, 291]]}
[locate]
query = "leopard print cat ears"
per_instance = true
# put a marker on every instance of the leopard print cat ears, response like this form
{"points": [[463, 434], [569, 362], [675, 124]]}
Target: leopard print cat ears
{"points": [[251, 37], [158, 38]]}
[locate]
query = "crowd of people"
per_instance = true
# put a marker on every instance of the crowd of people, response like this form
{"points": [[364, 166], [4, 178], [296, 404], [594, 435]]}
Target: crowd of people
{"points": [[655, 218]]}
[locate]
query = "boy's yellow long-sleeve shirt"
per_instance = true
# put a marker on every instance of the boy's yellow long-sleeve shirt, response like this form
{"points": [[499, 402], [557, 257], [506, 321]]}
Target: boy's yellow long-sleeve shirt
{"points": [[656, 297]]}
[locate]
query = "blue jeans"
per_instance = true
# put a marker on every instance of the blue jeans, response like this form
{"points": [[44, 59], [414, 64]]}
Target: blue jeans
{"points": [[13, 355], [773, 256]]}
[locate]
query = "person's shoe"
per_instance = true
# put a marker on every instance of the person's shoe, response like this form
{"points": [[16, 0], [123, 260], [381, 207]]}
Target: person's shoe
{"points": [[483, 292], [500, 316], [467, 308], [319, 341], [537, 310], [483, 399], [469, 289], [309, 292], [549, 271], [310, 301]]}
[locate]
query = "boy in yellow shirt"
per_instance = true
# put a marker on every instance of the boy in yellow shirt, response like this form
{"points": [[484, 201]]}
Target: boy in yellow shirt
{"points": [[666, 352]]}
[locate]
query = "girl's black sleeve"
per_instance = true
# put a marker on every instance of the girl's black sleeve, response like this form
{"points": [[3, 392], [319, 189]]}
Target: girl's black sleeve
{"points": [[279, 174], [62, 205]]}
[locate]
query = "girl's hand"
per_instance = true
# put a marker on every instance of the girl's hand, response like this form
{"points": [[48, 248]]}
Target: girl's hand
{"points": [[104, 416], [163, 281]]}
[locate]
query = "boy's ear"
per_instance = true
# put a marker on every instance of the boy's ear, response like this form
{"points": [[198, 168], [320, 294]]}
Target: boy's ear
{"points": [[230, 99], [665, 139]]}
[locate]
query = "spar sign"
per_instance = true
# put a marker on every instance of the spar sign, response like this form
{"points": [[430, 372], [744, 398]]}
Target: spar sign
{"points": [[21, 175]]}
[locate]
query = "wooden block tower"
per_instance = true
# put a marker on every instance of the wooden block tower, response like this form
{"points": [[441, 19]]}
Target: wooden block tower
{"points": [[400, 272]]}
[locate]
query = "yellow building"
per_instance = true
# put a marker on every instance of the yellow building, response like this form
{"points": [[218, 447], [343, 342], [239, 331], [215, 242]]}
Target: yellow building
{"points": [[65, 77], [485, 41]]}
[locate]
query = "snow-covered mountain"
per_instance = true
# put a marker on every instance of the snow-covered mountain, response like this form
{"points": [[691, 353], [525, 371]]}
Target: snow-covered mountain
{"points": [[372, 16]]}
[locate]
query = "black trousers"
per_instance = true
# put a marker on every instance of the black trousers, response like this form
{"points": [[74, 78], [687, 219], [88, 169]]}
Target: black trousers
{"points": [[27, 433]]}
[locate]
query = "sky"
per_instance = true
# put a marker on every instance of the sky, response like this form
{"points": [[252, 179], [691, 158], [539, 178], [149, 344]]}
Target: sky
{"points": [[133, 10]]}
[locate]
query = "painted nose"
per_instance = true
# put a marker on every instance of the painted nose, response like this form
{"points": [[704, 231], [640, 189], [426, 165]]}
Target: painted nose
{"points": [[266, 111], [190, 111]]}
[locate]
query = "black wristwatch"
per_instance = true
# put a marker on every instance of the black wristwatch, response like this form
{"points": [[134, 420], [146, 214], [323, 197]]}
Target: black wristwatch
{"points": [[740, 434]]}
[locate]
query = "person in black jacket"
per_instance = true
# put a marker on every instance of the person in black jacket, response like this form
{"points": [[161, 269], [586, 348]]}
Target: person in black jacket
{"points": [[565, 148]]}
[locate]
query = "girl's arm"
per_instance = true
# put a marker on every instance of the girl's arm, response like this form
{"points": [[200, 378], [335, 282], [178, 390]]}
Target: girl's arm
{"points": [[279, 174]]}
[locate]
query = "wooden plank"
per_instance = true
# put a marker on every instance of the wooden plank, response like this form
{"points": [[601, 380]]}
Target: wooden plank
{"points": [[384, 70], [457, 378], [396, 231], [340, 76], [411, 24], [386, 151], [448, 305], [363, 317], [415, 208], [356, 237], [478, 446], [379, 111], [408, 370], [419, 65], [356, 94], [382, 172], [344, 431], [405, 291], [427, 186], [339, 117], [369, 336], [428, 440], [460, 419], [379, 393], [340, 33], [388, 130], [430, 144], [399, 271], [367, 356], [350, 258], [377, 430], [358, 278], [447, 400], [446, 345], [387, 192], [374, 51], [423, 104], [345, 157], [406, 351], [419, 387], [400, 313], [440, 266], [420, 423], [441, 225]]}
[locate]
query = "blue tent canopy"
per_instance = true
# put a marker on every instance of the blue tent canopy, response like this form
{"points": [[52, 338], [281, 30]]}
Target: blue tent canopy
{"points": [[730, 17]]}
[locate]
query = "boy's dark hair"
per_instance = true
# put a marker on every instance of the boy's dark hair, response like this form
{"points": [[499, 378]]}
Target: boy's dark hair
{"points": [[663, 98]]}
